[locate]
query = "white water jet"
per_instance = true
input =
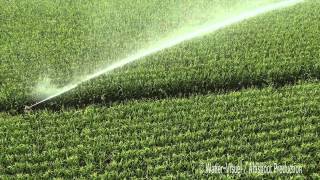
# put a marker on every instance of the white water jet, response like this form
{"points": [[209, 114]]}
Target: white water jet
{"points": [[172, 42]]}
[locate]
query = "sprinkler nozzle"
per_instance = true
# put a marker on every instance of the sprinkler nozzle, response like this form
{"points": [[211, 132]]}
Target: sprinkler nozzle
{"points": [[27, 109]]}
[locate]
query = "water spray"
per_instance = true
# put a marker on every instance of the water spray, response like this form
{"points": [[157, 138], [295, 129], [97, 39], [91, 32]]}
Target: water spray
{"points": [[170, 43]]}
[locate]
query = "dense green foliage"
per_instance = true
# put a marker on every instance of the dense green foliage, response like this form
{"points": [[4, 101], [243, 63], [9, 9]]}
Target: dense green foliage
{"points": [[170, 113], [168, 138]]}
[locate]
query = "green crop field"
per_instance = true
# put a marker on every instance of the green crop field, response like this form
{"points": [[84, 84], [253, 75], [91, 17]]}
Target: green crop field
{"points": [[171, 137], [245, 94]]}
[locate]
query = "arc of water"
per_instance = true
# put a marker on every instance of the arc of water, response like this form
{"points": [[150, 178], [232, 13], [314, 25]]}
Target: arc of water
{"points": [[172, 42]]}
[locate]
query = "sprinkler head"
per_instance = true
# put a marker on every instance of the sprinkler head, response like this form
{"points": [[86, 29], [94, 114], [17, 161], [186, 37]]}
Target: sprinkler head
{"points": [[27, 109]]}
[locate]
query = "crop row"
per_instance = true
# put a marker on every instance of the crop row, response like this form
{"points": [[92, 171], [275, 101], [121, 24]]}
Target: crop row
{"points": [[172, 137], [273, 49]]}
